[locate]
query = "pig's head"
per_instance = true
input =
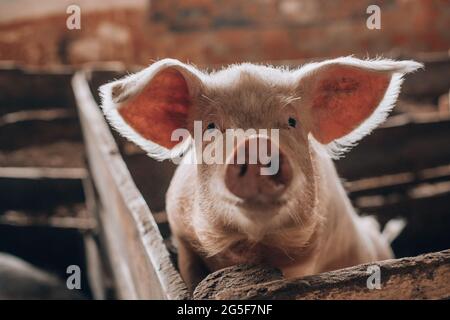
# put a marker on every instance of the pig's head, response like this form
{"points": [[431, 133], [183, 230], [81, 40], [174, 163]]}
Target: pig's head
{"points": [[325, 106]]}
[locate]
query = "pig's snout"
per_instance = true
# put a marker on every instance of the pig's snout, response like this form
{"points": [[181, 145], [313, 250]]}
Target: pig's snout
{"points": [[258, 177]]}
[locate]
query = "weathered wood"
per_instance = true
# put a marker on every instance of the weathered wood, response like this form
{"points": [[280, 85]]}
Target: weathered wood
{"points": [[410, 146], [399, 182], [43, 217], [29, 115], [406, 204], [38, 131], [233, 277], [97, 260], [64, 217], [432, 81], [428, 221], [46, 197], [421, 277], [142, 267], [42, 173], [41, 138], [94, 266], [40, 192], [43, 88]]}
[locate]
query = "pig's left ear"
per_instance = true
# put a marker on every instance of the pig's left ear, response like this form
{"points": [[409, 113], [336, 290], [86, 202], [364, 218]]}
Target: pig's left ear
{"points": [[346, 98], [147, 107]]}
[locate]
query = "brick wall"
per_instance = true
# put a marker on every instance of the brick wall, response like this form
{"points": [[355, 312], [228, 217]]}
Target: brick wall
{"points": [[224, 31]]}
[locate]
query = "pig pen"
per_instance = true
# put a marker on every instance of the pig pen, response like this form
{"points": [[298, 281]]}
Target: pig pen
{"points": [[401, 170], [43, 215]]}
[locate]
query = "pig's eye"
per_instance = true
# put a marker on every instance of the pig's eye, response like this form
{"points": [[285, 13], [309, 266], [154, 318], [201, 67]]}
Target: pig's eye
{"points": [[292, 122], [211, 126]]}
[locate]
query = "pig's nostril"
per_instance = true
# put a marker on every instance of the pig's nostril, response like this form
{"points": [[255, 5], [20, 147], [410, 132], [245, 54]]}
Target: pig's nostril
{"points": [[243, 170], [247, 180]]}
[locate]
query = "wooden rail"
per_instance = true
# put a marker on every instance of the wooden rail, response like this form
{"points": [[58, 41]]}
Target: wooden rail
{"points": [[422, 277], [142, 267]]}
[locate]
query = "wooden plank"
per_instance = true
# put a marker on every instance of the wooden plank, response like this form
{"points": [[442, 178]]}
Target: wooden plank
{"points": [[38, 131], [94, 266], [427, 220], [42, 173], [421, 277], [407, 147], [97, 260], [143, 266], [41, 193], [41, 138], [43, 88], [64, 217], [30, 115], [405, 204], [432, 81], [399, 182], [54, 198]]}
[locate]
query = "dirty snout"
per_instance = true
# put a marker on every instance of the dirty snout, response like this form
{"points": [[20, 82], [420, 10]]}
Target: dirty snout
{"points": [[258, 171]]}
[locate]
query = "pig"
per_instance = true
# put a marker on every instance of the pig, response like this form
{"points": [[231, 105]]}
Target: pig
{"points": [[300, 219]]}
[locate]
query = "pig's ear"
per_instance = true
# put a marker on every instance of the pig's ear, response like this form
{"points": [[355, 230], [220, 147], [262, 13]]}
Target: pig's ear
{"points": [[346, 98], [148, 106]]}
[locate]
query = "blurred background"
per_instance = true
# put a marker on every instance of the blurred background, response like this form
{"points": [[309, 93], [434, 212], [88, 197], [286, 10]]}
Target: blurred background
{"points": [[217, 31], [47, 220]]}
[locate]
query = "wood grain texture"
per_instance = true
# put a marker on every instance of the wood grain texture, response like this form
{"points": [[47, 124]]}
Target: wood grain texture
{"points": [[421, 277]]}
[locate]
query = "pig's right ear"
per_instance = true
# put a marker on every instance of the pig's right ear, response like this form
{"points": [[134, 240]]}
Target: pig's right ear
{"points": [[344, 99], [147, 107]]}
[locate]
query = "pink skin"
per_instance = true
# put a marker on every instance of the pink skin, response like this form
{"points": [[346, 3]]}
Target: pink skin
{"points": [[299, 220], [246, 181]]}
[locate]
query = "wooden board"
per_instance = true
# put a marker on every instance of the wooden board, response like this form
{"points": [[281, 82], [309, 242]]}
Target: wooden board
{"points": [[141, 266], [26, 88], [412, 145], [422, 277]]}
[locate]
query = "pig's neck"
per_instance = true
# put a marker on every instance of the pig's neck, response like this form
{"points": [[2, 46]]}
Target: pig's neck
{"points": [[340, 222], [336, 203], [298, 251]]}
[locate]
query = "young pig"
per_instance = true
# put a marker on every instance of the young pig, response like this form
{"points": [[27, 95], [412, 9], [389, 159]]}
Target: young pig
{"points": [[299, 219]]}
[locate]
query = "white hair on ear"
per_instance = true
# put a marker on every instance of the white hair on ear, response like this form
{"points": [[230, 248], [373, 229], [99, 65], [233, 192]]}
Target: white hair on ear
{"points": [[319, 148], [398, 69], [115, 94]]}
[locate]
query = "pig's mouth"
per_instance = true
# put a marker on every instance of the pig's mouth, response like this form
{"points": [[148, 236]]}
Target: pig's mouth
{"points": [[262, 204]]}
